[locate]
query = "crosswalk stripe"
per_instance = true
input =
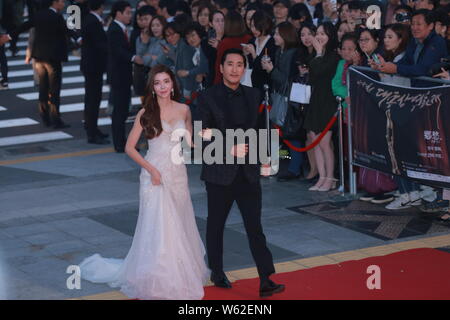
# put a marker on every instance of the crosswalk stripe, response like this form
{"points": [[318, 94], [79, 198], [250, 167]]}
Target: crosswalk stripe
{"points": [[30, 84], [108, 121], [17, 122], [30, 72], [73, 107], [20, 53], [64, 93], [22, 43], [21, 62], [32, 138]]}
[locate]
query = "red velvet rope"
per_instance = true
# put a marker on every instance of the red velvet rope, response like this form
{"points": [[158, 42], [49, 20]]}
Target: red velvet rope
{"points": [[314, 143]]}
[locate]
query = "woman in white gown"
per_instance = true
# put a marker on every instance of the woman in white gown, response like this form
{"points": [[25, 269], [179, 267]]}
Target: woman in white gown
{"points": [[166, 258]]}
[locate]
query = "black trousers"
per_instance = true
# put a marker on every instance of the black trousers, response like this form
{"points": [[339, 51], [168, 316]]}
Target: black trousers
{"points": [[50, 78], [121, 96], [3, 63], [93, 85], [248, 198]]}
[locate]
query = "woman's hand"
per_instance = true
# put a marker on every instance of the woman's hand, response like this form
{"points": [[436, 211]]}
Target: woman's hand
{"points": [[317, 46], [267, 65], [303, 70], [356, 58], [213, 42], [156, 177], [250, 49], [445, 74]]}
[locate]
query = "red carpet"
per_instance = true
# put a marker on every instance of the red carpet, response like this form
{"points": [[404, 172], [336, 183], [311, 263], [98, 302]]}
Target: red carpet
{"points": [[411, 274]]}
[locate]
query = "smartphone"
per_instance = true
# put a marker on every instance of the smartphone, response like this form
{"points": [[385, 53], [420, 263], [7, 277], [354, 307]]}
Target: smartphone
{"points": [[243, 44], [212, 34], [375, 58]]}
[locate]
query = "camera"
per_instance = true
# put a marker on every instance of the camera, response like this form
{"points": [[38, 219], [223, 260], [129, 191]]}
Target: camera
{"points": [[436, 68], [402, 17]]}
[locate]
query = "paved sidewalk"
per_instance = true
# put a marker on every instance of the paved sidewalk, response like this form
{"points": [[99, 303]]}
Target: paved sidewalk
{"points": [[68, 200]]}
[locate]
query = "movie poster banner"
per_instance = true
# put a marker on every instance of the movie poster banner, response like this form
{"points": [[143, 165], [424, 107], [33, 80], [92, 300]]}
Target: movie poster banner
{"points": [[399, 130]]}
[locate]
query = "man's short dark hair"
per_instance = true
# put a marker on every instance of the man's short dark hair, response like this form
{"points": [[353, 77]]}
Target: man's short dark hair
{"points": [[427, 14], [145, 11], [442, 17], [233, 51], [170, 5], [226, 4], [183, 6], [119, 6], [95, 4]]}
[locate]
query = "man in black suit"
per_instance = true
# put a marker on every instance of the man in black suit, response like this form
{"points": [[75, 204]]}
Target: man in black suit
{"points": [[94, 51], [120, 59], [49, 51], [230, 105]]}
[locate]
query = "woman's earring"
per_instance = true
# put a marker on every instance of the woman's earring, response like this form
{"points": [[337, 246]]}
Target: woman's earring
{"points": [[173, 92], [154, 94]]}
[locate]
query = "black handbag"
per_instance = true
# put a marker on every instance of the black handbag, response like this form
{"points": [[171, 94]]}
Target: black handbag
{"points": [[293, 124]]}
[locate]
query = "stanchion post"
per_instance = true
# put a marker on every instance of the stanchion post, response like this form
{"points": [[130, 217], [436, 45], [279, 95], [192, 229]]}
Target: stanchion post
{"points": [[341, 146], [351, 174]]}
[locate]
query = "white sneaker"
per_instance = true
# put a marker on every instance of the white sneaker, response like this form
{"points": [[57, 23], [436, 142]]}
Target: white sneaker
{"points": [[402, 202], [427, 193], [415, 198]]}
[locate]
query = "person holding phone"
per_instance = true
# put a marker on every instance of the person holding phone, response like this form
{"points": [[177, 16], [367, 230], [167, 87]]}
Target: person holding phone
{"points": [[396, 39], [261, 44], [368, 40], [151, 41], [210, 44]]}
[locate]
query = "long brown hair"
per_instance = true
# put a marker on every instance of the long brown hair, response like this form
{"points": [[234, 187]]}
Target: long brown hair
{"points": [[151, 118], [403, 32]]}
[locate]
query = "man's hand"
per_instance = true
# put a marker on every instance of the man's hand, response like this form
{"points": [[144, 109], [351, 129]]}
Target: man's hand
{"points": [[265, 170], [182, 73], [239, 150], [443, 75], [206, 134]]}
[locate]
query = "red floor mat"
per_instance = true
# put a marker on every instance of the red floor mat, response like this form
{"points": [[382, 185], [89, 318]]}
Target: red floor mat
{"points": [[411, 274]]}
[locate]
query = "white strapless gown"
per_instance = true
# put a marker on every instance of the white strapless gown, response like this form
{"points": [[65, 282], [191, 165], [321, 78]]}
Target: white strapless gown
{"points": [[166, 258]]}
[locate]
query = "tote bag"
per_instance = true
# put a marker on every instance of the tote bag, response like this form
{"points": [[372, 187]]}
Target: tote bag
{"points": [[300, 93]]}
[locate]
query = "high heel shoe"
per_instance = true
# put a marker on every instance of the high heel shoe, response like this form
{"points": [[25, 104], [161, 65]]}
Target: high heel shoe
{"points": [[331, 187], [318, 185]]}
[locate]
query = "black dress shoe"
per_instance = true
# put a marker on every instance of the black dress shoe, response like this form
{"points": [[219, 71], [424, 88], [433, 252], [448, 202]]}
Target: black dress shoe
{"points": [[120, 150], [288, 176], [269, 287], [221, 281], [98, 140]]}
